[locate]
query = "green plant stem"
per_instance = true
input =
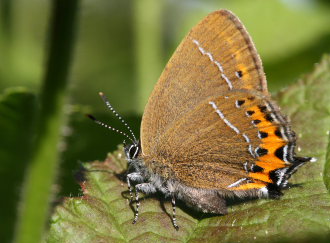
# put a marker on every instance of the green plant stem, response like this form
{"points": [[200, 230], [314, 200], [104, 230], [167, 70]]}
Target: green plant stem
{"points": [[37, 191]]}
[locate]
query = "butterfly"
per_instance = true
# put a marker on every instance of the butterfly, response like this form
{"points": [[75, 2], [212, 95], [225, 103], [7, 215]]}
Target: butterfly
{"points": [[210, 130]]}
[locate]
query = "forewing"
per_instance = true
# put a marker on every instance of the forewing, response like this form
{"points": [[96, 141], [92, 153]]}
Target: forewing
{"points": [[215, 57]]}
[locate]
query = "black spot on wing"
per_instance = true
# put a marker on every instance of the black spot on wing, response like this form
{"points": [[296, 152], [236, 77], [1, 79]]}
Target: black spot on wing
{"points": [[261, 151], [262, 134], [269, 117], [240, 102], [250, 113], [256, 168], [278, 133], [256, 122], [262, 108], [239, 73], [279, 153]]}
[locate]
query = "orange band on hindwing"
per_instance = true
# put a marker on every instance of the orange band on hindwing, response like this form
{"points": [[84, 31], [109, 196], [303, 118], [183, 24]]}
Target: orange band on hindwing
{"points": [[271, 140], [249, 186]]}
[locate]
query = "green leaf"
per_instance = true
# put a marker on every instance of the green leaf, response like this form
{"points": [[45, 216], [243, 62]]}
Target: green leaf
{"points": [[103, 214], [17, 109]]}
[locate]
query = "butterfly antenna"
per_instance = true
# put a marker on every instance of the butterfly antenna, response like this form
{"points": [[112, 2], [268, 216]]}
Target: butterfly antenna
{"points": [[109, 127], [107, 103]]}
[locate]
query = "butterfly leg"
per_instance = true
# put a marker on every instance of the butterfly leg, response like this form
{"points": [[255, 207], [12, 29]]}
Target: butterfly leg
{"points": [[174, 214], [135, 177], [130, 189], [136, 216], [146, 188]]}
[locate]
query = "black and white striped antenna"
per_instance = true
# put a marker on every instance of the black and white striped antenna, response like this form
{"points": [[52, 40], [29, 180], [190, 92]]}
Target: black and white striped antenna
{"points": [[109, 127], [106, 101]]}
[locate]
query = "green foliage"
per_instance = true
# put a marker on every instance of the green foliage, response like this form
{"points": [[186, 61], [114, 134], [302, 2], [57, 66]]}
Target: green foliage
{"points": [[17, 109], [48, 119], [103, 214]]}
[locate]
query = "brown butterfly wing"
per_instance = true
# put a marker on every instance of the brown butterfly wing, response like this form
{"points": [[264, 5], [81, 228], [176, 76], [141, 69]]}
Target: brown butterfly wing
{"points": [[234, 132], [215, 57]]}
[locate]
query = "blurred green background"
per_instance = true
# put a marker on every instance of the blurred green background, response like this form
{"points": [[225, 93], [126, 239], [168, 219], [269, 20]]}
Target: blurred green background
{"points": [[55, 56]]}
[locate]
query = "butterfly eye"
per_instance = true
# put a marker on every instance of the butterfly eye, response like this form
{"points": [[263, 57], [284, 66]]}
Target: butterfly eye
{"points": [[132, 151]]}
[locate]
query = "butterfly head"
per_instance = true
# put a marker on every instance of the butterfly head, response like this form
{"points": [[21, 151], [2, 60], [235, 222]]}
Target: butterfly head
{"points": [[132, 150]]}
